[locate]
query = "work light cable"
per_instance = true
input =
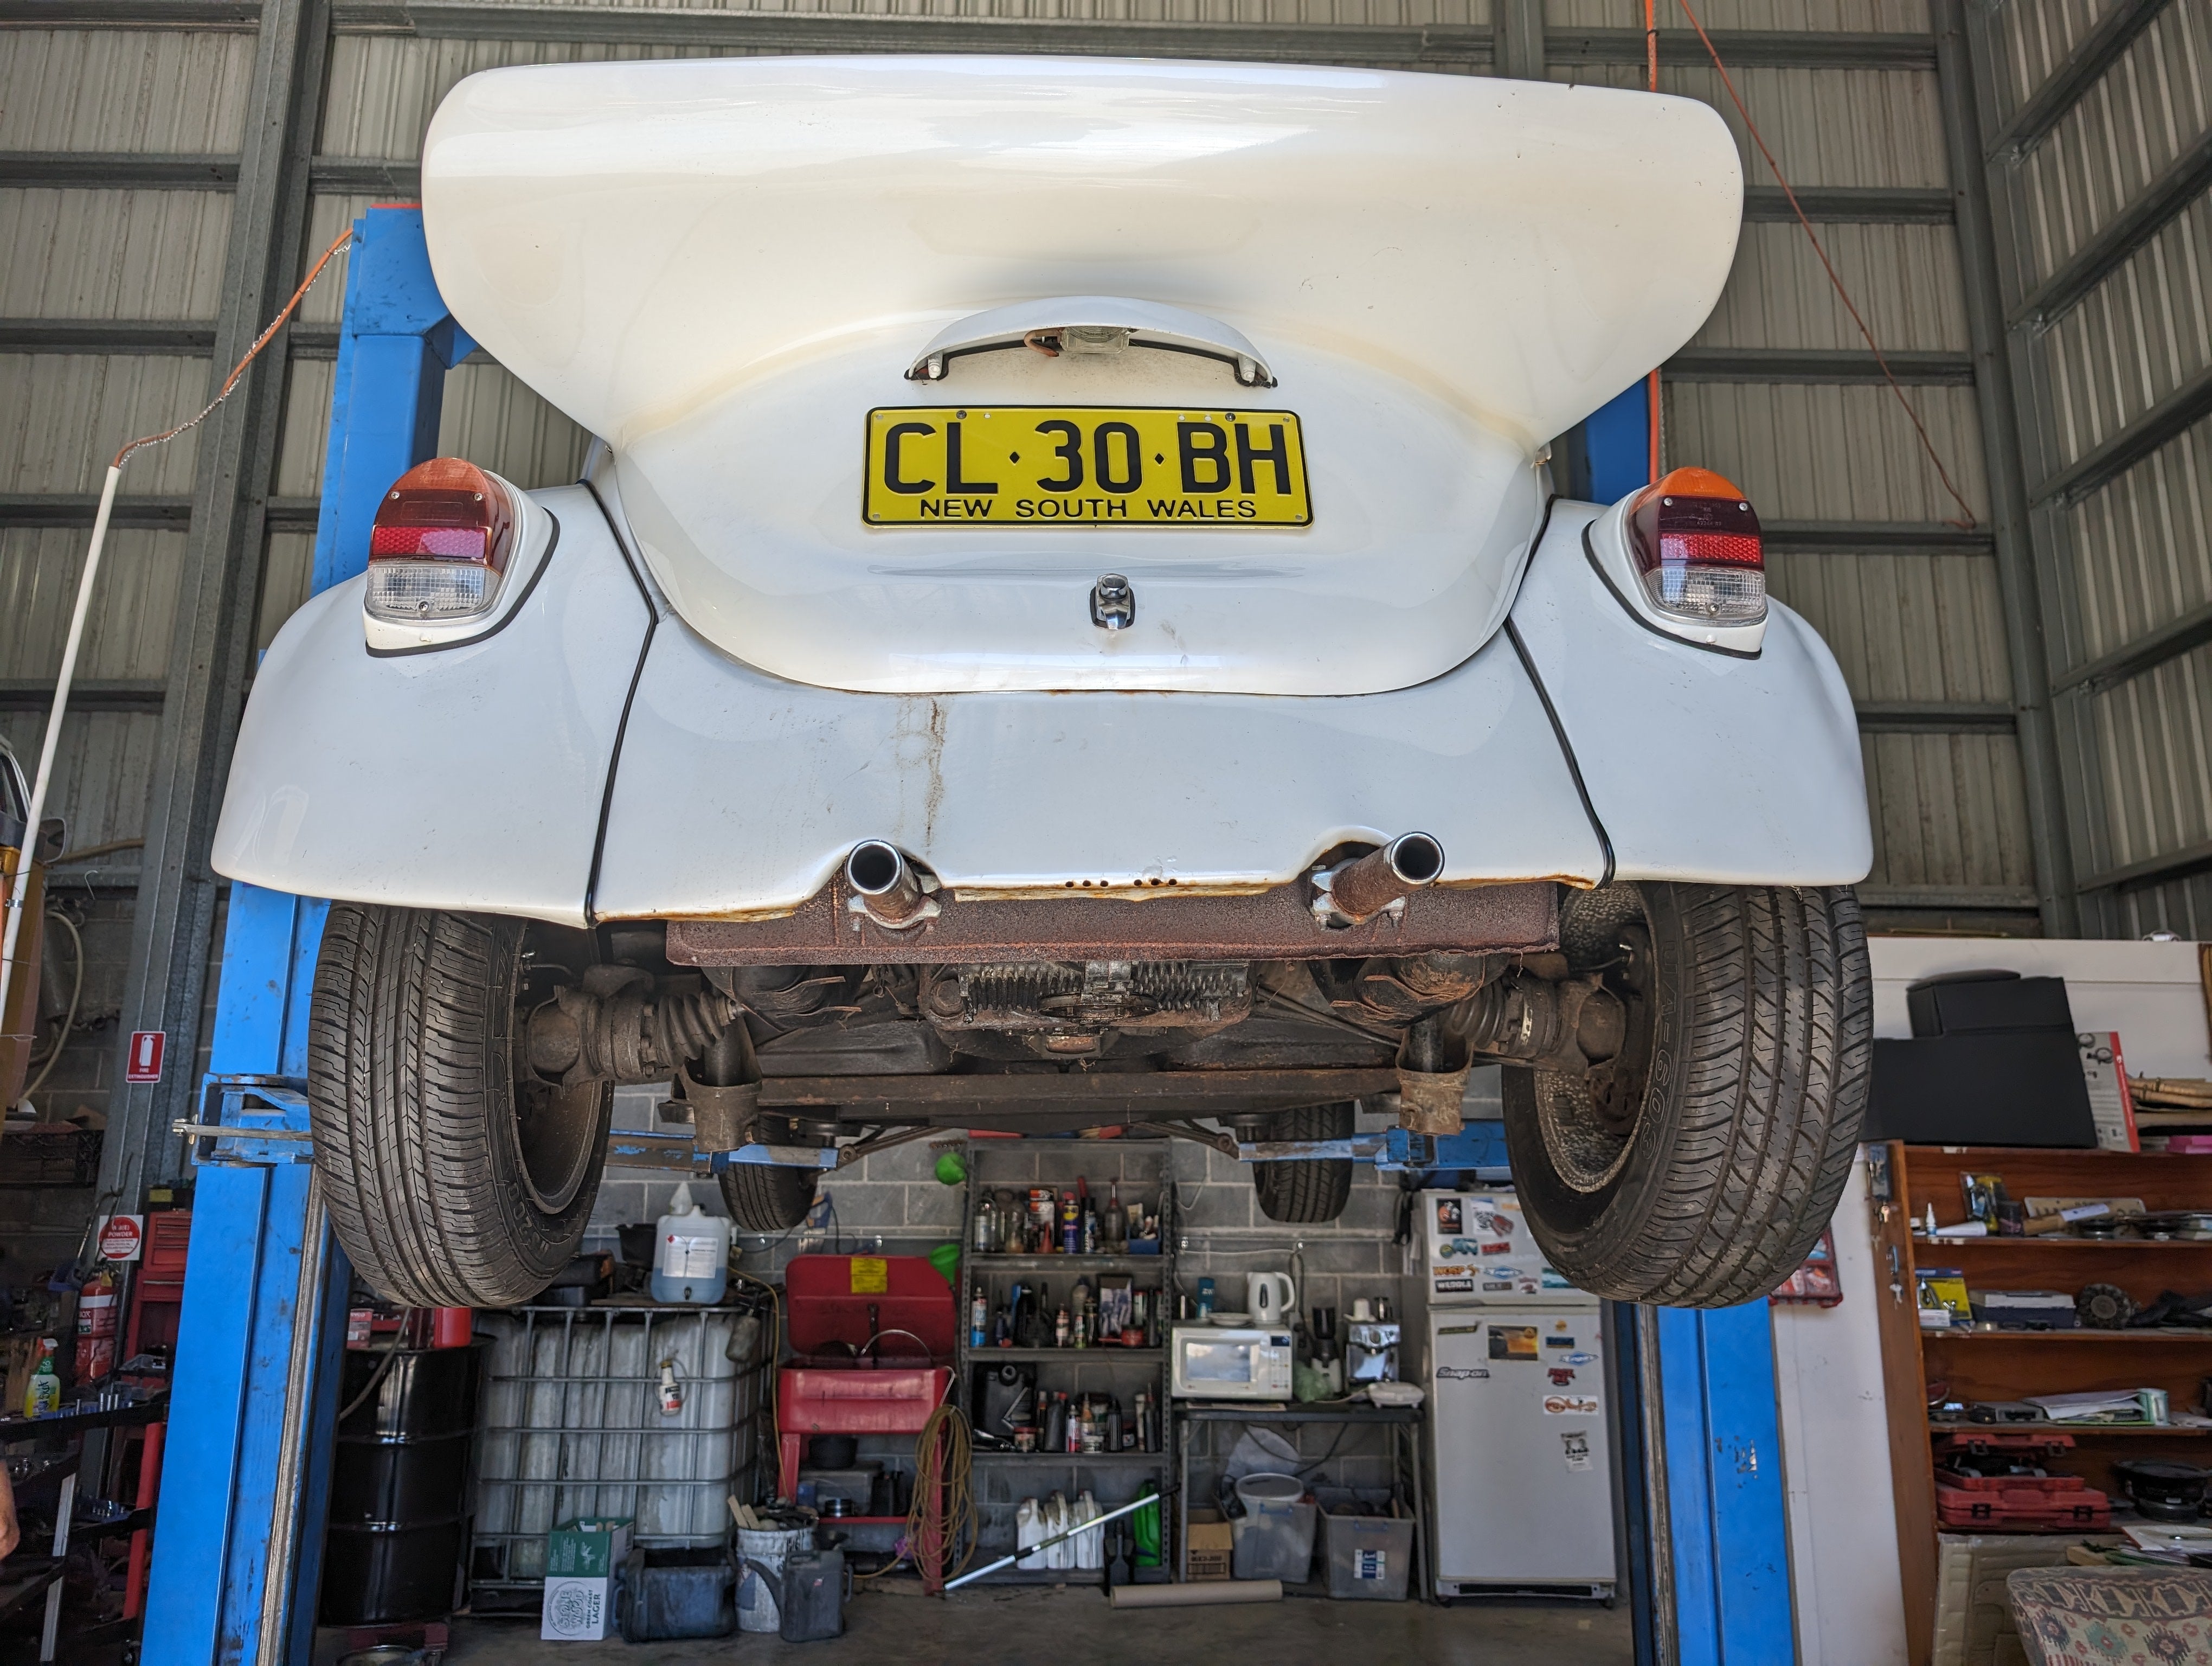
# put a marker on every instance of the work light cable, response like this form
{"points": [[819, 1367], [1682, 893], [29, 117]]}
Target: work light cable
{"points": [[20, 891]]}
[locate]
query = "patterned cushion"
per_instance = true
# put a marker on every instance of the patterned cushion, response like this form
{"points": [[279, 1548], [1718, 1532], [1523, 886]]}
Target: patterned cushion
{"points": [[2077, 1616]]}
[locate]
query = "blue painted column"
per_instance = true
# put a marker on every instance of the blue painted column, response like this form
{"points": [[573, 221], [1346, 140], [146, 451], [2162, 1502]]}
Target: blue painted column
{"points": [[238, 1554], [1722, 1517]]}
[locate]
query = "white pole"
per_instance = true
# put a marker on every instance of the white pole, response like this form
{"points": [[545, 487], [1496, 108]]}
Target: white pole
{"points": [[20, 895]]}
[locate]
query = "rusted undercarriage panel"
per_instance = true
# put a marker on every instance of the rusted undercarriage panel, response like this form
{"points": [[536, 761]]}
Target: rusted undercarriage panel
{"points": [[1101, 1096], [1271, 925]]}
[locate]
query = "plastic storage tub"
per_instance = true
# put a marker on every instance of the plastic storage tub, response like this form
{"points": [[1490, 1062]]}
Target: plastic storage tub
{"points": [[1274, 1538], [1370, 1558]]}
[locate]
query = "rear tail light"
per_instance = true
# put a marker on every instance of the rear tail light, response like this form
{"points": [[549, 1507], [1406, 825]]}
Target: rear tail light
{"points": [[1695, 541], [441, 543]]}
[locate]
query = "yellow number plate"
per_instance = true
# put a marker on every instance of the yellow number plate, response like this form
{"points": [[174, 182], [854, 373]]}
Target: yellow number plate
{"points": [[1090, 465]]}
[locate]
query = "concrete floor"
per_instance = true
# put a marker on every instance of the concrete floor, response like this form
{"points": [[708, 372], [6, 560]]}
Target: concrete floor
{"points": [[1023, 1627]]}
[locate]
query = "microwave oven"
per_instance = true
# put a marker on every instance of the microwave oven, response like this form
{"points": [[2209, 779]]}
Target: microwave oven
{"points": [[1218, 1362]]}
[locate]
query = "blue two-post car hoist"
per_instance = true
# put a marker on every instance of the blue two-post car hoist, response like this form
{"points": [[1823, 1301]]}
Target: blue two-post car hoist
{"points": [[238, 1555]]}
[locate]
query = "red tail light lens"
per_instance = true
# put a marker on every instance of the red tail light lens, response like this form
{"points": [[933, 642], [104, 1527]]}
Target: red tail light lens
{"points": [[441, 543], [1695, 539]]}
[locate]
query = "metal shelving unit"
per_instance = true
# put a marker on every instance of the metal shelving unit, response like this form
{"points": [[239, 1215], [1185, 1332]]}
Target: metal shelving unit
{"points": [[1003, 1478]]}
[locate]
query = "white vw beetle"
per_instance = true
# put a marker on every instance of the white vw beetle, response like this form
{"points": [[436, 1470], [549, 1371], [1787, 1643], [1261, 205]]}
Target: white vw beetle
{"points": [[1067, 623]]}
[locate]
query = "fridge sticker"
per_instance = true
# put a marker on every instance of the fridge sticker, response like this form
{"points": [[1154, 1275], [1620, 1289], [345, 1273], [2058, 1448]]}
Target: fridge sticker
{"points": [[1513, 1341], [1462, 1373], [1570, 1405], [1448, 1221], [1581, 1359], [1576, 1443], [1559, 1341], [1562, 1377]]}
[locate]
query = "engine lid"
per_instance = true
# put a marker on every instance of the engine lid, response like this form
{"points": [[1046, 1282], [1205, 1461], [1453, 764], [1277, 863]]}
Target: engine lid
{"points": [[744, 274]]}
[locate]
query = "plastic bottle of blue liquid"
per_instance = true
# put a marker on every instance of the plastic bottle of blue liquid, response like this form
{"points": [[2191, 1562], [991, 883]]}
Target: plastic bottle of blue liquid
{"points": [[692, 1253]]}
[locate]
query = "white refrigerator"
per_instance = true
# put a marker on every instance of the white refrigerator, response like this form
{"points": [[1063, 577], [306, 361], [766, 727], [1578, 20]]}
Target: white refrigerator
{"points": [[1514, 1370]]}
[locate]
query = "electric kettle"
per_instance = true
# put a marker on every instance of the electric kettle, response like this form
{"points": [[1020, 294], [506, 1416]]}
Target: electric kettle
{"points": [[1270, 1300]]}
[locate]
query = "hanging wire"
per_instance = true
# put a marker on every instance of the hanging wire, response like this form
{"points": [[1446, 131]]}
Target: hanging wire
{"points": [[1967, 523], [238, 371], [19, 890]]}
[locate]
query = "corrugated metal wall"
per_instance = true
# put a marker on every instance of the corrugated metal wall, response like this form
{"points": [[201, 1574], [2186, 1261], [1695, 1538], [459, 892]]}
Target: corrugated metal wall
{"points": [[120, 175], [2107, 232]]}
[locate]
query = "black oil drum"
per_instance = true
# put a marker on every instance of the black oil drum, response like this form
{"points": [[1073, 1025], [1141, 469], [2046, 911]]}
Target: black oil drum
{"points": [[399, 1486]]}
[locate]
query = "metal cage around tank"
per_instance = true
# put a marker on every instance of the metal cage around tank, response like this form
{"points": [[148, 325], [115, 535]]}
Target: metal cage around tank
{"points": [[574, 1425]]}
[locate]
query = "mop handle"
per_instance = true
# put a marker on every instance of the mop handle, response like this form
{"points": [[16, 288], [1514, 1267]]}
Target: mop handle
{"points": [[1032, 1550]]}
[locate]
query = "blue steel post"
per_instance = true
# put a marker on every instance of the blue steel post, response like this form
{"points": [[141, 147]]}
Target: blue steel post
{"points": [[1719, 1511], [245, 1486]]}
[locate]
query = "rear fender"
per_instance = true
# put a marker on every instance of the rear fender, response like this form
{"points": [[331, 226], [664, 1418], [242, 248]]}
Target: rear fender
{"points": [[1700, 764], [468, 777]]}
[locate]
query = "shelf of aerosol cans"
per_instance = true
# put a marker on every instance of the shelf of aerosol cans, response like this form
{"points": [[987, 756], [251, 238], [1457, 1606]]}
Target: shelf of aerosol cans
{"points": [[1025, 1306]]}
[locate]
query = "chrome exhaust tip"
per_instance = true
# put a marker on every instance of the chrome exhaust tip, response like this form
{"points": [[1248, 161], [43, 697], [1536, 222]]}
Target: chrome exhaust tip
{"points": [[884, 885], [1380, 880]]}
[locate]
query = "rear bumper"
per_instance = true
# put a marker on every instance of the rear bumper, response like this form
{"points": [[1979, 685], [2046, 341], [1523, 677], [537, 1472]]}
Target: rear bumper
{"points": [[594, 759]]}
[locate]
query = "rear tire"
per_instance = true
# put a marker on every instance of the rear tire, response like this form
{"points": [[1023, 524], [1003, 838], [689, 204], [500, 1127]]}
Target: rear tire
{"points": [[450, 1183], [761, 1199], [1705, 1183], [1307, 1193]]}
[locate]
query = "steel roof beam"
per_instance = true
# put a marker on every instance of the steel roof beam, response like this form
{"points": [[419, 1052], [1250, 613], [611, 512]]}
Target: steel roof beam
{"points": [[2180, 864], [152, 512], [2153, 209], [18, 694], [1773, 49], [2020, 592], [1817, 365], [2066, 85], [2178, 411], [1893, 205], [1875, 538], [1934, 717], [2153, 648], [223, 16]]}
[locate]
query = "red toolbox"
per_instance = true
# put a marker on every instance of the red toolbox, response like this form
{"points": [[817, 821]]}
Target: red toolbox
{"points": [[2019, 1503], [871, 1339]]}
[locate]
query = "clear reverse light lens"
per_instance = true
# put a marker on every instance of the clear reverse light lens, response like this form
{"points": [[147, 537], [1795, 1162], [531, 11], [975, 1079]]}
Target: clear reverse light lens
{"points": [[407, 591], [1716, 594]]}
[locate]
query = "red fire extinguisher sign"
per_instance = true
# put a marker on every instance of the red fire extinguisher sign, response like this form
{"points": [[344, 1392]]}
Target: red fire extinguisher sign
{"points": [[144, 1064]]}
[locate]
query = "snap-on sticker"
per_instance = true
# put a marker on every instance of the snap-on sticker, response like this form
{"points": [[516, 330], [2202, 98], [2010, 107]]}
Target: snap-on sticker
{"points": [[1581, 1359], [1570, 1405], [1462, 1373], [1575, 1442]]}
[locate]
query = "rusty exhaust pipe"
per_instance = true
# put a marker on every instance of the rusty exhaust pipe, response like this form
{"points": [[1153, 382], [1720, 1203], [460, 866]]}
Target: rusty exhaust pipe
{"points": [[1360, 890], [884, 885]]}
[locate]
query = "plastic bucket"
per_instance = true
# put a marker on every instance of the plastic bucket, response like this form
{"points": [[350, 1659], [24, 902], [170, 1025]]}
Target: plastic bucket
{"points": [[1273, 1540], [768, 1546]]}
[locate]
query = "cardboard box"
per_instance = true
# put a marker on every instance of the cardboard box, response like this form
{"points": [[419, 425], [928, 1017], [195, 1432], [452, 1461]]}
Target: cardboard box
{"points": [[1213, 1544], [582, 1558]]}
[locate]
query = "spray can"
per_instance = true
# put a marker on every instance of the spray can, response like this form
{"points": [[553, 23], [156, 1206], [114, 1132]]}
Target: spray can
{"points": [[978, 1319], [1071, 1227]]}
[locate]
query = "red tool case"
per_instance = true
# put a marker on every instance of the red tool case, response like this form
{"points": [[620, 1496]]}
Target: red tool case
{"points": [[870, 1336], [2029, 1503]]}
